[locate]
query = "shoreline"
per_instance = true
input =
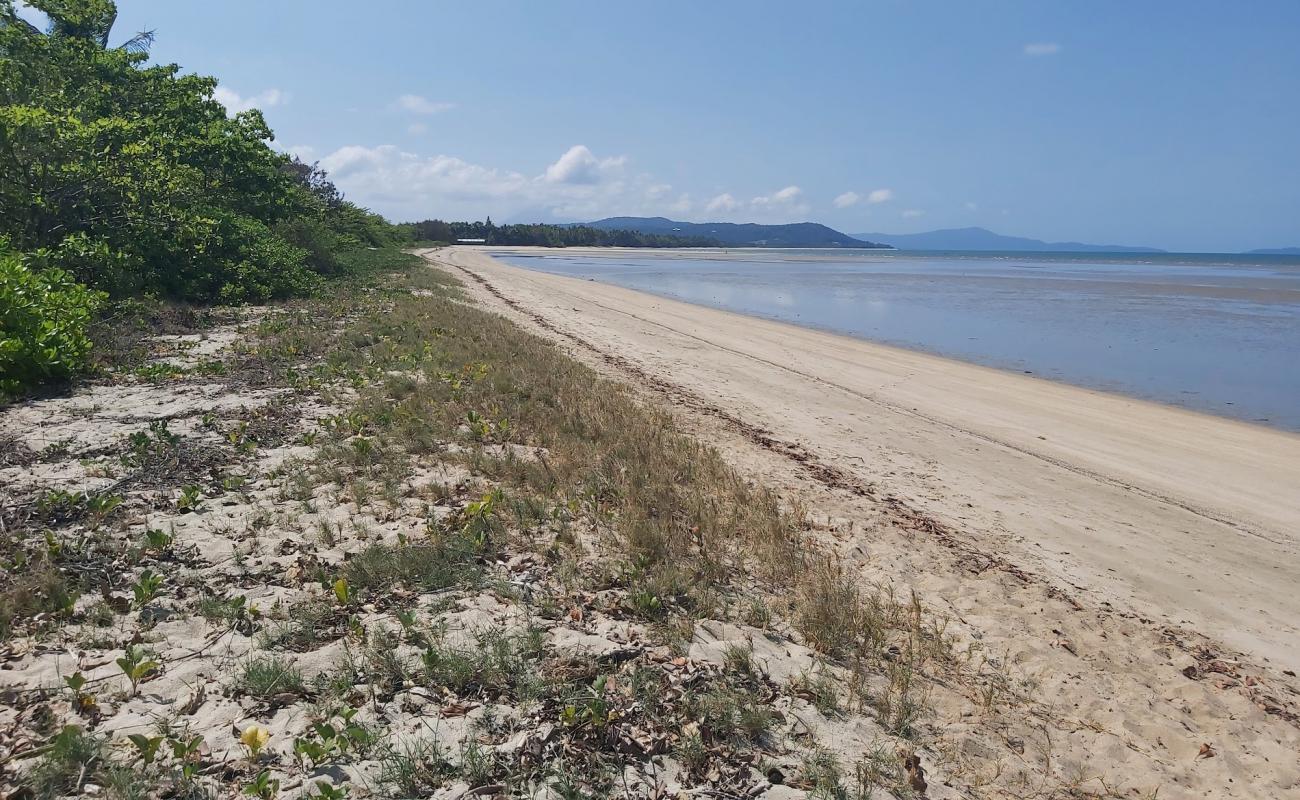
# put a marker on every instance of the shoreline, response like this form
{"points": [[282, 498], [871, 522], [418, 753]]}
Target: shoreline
{"points": [[1056, 477], [1177, 389]]}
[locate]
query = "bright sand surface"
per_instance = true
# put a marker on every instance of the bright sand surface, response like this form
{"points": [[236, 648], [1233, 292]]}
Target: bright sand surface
{"points": [[1176, 515]]}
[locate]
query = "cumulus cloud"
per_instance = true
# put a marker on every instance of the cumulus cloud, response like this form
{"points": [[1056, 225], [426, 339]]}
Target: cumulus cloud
{"points": [[847, 199], [416, 104], [723, 203], [579, 166], [781, 197], [781, 205], [578, 185], [1042, 49], [878, 196], [913, 213], [235, 102]]}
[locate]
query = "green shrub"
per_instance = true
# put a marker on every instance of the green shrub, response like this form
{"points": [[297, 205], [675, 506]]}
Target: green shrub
{"points": [[315, 238], [43, 319], [262, 267]]}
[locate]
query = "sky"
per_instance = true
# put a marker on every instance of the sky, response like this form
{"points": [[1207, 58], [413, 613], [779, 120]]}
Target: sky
{"points": [[1157, 123]]}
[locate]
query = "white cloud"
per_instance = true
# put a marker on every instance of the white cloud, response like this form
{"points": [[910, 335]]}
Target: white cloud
{"points": [[847, 199], [416, 104], [417, 128], [972, 206], [578, 185], [234, 102], [579, 166], [878, 196], [1042, 49], [913, 213], [723, 203], [781, 197], [681, 206]]}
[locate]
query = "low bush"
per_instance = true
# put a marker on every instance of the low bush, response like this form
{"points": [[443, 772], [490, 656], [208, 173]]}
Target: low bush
{"points": [[44, 315]]}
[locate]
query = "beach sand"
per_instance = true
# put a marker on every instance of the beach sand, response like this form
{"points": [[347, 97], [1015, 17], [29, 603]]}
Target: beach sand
{"points": [[1111, 548]]}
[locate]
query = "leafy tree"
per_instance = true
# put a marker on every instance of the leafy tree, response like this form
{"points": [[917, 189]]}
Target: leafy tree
{"points": [[130, 178]]}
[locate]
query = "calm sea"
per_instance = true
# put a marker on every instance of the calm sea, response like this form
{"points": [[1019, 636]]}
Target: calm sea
{"points": [[1215, 333]]}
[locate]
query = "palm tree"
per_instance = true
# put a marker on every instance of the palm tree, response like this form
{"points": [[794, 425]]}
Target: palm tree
{"points": [[91, 20]]}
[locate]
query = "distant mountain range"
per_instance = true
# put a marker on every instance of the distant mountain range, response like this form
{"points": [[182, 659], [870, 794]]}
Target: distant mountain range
{"points": [[812, 234], [983, 239], [799, 234]]}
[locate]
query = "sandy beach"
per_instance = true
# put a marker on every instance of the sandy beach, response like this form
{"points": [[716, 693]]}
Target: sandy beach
{"points": [[1100, 542], [1181, 516]]}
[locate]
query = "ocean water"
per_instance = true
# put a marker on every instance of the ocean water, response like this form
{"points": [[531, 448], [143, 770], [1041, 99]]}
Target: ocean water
{"points": [[1214, 333]]}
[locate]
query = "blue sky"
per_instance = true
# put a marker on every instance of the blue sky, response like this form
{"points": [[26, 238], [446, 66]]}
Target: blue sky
{"points": [[1170, 124]]}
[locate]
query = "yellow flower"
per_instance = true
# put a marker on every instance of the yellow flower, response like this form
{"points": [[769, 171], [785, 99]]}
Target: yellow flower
{"points": [[254, 738]]}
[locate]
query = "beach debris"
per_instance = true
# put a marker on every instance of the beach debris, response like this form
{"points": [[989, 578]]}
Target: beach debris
{"points": [[1207, 751], [915, 772]]}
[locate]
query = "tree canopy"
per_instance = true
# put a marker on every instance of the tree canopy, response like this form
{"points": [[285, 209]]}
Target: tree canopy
{"points": [[542, 235], [130, 178]]}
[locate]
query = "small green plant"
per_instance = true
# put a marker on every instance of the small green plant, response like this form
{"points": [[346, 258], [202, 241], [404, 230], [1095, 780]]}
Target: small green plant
{"points": [[188, 753], [820, 690], [82, 702], [157, 540], [136, 665], [332, 739], [479, 427], [100, 505], [159, 371], [191, 498], [263, 787], [146, 587], [68, 761], [240, 438], [590, 708], [328, 791], [645, 603], [236, 612], [363, 450], [146, 746], [160, 433], [268, 676]]}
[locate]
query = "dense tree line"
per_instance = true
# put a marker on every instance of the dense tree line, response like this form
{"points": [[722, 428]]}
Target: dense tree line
{"points": [[433, 230], [119, 179]]}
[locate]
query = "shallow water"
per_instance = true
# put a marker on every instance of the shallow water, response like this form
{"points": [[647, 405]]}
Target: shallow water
{"points": [[1219, 334]]}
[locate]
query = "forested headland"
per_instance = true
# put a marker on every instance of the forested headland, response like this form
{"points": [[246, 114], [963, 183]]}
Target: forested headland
{"points": [[541, 235]]}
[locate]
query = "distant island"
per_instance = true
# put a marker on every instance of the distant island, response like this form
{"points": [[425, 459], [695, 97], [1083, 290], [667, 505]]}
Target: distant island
{"points": [[984, 239], [1275, 251], [731, 234]]}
